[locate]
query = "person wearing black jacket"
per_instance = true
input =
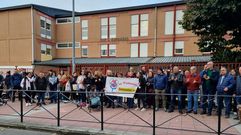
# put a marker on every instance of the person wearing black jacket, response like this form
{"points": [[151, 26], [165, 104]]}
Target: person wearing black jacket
{"points": [[150, 89], [209, 79], [73, 83], [41, 85], [139, 93]]}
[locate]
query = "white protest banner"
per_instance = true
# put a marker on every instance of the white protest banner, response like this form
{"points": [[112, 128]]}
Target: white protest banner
{"points": [[122, 87]]}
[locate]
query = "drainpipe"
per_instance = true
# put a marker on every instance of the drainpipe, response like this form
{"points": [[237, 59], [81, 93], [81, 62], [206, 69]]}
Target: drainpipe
{"points": [[174, 30], [33, 42], [155, 33]]}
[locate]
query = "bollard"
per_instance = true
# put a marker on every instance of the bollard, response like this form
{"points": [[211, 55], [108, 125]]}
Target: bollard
{"points": [[21, 106], [58, 109], [102, 113]]}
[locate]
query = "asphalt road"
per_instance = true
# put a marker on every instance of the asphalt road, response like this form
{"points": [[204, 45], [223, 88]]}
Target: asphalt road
{"points": [[11, 131]]}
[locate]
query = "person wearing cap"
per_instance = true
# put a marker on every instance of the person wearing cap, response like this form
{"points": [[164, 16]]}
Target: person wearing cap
{"points": [[160, 84]]}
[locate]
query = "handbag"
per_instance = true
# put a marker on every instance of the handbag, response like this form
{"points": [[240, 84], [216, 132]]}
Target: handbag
{"points": [[75, 87]]}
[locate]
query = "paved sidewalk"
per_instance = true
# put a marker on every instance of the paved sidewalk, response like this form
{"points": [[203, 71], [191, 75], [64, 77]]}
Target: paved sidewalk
{"points": [[124, 120]]}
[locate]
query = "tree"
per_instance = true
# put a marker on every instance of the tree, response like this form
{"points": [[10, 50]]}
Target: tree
{"points": [[218, 24]]}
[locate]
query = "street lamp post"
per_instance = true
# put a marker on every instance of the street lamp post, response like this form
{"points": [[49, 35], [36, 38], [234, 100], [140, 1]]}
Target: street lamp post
{"points": [[73, 37]]}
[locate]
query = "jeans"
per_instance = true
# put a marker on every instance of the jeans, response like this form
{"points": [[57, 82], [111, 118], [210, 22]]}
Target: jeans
{"points": [[41, 96], [27, 96], [192, 95], [158, 94], [177, 93], [82, 96], [141, 98], [227, 101], [208, 100]]}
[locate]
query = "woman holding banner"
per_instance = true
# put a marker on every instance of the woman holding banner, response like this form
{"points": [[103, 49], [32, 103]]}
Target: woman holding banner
{"points": [[140, 93]]}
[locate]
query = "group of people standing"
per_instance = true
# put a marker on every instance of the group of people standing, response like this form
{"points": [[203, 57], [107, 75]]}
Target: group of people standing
{"points": [[166, 88]]}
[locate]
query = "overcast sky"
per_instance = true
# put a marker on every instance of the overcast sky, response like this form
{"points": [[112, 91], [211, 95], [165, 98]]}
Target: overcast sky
{"points": [[82, 5]]}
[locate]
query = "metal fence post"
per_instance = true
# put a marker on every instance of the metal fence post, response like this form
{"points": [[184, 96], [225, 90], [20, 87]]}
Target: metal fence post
{"points": [[58, 109], [102, 113], [21, 105], [219, 118], [154, 116]]}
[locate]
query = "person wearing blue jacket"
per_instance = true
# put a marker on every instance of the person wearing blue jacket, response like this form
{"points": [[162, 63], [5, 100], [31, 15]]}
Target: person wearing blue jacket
{"points": [[224, 90], [160, 84], [15, 81], [237, 91]]}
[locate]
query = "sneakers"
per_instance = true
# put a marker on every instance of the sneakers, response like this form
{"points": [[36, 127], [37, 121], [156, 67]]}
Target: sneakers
{"points": [[143, 109], [137, 109], [28, 104]]}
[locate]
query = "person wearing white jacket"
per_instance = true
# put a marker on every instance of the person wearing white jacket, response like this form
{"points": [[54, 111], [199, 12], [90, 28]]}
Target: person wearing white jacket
{"points": [[80, 82], [26, 85]]}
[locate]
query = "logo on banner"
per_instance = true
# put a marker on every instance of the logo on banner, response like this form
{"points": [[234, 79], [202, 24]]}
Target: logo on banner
{"points": [[113, 84]]}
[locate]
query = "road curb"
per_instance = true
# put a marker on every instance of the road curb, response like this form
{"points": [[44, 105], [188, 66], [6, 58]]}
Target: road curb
{"points": [[63, 130]]}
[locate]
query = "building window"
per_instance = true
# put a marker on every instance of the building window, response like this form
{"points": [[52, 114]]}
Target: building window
{"points": [[168, 49], [139, 25], [134, 25], [112, 50], [108, 50], [67, 20], [104, 50], [45, 27], [179, 47], [46, 49], [67, 45], [43, 49], [139, 50], [144, 25], [84, 25], [179, 16], [49, 50], [169, 22], [84, 51], [108, 27]]}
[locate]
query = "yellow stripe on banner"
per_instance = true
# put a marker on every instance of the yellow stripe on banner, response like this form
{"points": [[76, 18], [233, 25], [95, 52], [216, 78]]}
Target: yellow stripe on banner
{"points": [[127, 89]]}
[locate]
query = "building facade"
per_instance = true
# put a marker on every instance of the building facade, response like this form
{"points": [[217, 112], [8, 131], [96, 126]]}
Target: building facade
{"points": [[33, 36]]}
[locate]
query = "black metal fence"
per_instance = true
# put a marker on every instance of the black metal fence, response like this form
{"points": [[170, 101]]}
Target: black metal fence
{"points": [[154, 125]]}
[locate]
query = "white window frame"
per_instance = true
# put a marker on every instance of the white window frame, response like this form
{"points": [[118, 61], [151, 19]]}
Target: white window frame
{"points": [[84, 29], [43, 48], [179, 17], [143, 50], [104, 47], [49, 47], [43, 28], [143, 28], [48, 30], [179, 45], [112, 47], [77, 20], [82, 48], [169, 22], [134, 49], [112, 26], [168, 46], [135, 26], [77, 45]]}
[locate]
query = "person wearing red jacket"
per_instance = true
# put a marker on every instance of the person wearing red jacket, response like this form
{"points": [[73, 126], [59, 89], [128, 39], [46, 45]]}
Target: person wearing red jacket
{"points": [[193, 82]]}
